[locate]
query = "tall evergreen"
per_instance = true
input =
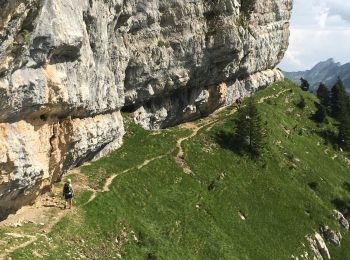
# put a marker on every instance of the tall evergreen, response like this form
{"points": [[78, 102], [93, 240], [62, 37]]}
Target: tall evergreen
{"points": [[304, 84], [242, 126], [249, 130], [320, 114], [339, 101], [324, 95], [344, 132], [340, 110], [301, 103]]}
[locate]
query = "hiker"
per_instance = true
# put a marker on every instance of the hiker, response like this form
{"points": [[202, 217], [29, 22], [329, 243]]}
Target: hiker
{"points": [[239, 102], [68, 193]]}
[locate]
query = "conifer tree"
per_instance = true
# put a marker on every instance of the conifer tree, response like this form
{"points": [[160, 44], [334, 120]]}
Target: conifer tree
{"points": [[242, 127], [249, 130], [324, 95], [304, 84], [344, 132], [339, 101], [320, 114], [301, 103]]}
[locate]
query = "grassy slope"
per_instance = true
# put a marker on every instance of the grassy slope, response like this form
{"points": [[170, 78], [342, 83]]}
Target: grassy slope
{"points": [[159, 211]]}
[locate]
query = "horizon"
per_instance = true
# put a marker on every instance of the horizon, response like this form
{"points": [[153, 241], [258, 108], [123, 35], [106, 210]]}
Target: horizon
{"points": [[319, 30], [321, 61]]}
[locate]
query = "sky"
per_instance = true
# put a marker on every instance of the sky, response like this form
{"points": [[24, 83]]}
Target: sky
{"points": [[320, 29]]}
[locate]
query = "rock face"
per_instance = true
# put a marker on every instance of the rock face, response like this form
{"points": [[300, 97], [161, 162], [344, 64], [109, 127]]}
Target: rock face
{"points": [[331, 235], [319, 247], [67, 69], [342, 220]]}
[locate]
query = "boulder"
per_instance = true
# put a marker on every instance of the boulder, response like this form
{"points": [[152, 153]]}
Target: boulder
{"points": [[319, 247], [331, 236], [342, 220]]}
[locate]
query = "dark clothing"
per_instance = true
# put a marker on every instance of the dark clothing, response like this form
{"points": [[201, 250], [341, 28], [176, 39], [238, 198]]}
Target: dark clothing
{"points": [[67, 191], [68, 195]]}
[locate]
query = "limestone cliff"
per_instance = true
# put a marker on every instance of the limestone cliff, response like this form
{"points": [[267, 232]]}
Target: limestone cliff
{"points": [[68, 67]]}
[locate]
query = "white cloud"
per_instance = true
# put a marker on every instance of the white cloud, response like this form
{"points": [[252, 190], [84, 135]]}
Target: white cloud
{"points": [[320, 29], [322, 17], [339, 7]]}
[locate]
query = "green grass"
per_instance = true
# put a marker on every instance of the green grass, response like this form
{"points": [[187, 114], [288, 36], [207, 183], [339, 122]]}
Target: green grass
{"points": [[138, 146], [158, 211]]}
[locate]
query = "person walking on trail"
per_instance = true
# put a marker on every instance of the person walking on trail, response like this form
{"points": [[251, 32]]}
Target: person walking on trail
{"points": [[68, 193], [239, 102]]}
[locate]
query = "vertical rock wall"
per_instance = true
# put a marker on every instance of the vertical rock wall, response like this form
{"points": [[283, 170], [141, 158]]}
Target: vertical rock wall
{"points": [[68, 67]]}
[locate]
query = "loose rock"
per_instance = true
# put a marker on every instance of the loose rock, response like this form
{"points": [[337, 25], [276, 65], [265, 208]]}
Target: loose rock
{"points": [[342, 220]]}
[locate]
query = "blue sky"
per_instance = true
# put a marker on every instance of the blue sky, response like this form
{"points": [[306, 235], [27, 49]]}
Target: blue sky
{"points": [[320, 29]]}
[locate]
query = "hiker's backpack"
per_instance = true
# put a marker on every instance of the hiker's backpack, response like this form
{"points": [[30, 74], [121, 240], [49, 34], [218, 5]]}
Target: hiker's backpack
{"points": [[66, 189]]}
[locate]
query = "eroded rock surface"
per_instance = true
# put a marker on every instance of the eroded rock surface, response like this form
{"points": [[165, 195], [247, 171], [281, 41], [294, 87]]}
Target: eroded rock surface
{"points": [[342, 220], [319, 247], [68, 67], [331, 235]]}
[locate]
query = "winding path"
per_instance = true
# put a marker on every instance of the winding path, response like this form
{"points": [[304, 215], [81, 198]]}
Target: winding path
{"points": [[210, 121], [109, 181]]}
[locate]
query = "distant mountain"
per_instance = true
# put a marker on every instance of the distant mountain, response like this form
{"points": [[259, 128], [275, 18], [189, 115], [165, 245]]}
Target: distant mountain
{"points": [[327, 72]]}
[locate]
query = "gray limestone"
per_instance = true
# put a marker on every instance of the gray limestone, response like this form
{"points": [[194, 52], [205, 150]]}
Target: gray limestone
{"points": [[67, 69]]}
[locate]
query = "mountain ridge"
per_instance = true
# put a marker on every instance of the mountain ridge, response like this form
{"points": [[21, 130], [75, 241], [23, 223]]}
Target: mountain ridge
{"points": [[326, 72]]}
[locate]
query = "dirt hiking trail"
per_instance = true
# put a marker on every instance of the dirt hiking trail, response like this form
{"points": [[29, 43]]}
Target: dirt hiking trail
{"points": [[48, 209]]}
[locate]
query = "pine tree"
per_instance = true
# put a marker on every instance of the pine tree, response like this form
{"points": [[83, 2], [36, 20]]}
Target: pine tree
{"points": [[249, 130], [256, 130], [304, 84], [339, 100], [242, 127], [301, 104], [344, 132], [320, 114], [324, 95]]}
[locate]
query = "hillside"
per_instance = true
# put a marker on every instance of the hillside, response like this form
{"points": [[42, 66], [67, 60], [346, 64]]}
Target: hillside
{"points": [[186, 193], [327, 72]]}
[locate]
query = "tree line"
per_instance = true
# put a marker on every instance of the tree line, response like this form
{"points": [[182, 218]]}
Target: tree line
{"points": [[334, 103], [250, 132]]}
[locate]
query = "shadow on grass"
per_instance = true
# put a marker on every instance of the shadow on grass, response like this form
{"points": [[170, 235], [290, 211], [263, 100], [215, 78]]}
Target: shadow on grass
{"points": [[342, 206], [346, 186], [228, 141], [313, 185], [329, 137]]}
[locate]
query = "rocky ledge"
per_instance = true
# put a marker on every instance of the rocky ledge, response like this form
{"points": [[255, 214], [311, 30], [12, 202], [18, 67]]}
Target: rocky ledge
{"points": [[67, 69]]}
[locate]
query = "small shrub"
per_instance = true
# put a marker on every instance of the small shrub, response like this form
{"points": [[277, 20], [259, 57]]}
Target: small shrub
{"points": [[313, 185], [247, 6], [301, 103], [165, 44], [242, 21], [304, 84], [26, 37], [211, 15], [320, 114]]}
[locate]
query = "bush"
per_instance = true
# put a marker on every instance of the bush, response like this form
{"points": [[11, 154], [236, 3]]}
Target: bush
{"points": [[301, 104], [304, 84], [320, 114], [26, 37], [163, 44], [247, 6]]}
